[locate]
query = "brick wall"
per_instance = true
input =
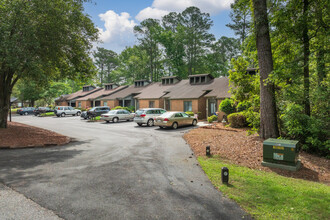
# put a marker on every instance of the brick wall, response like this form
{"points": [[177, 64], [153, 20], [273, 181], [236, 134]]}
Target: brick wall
{"points": [[144, 103], [198, 105], [111, 103], [62, 104]]}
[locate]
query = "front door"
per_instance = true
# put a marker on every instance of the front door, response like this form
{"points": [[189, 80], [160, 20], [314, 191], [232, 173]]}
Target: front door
{"points": [[212, 107]]}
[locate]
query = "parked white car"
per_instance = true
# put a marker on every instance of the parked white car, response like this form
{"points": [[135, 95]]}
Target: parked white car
{"points": [[117, 115], [62, 111], [147, 115]]}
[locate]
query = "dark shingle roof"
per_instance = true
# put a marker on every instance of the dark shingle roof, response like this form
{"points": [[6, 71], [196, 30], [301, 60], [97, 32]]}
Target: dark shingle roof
{"points": [[80, 93], [219, 88], [154, 91], [131, 90], [101, 93]]}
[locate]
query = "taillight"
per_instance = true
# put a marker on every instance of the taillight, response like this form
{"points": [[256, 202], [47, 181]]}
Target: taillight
{"points": [[143, 115], [166, 119]]}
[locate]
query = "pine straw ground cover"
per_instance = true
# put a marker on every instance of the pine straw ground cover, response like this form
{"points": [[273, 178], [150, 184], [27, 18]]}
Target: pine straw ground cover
{"points": [[19, 135], [234, 145]]}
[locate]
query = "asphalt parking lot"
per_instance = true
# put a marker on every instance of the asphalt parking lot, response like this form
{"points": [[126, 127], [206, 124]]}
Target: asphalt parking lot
{"points": [[114, 171]]}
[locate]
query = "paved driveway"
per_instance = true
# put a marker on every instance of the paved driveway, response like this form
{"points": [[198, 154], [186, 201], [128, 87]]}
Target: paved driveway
{"points": [[114, 171]]}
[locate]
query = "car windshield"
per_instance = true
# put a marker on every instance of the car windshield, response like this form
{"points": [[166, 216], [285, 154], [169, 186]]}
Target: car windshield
{"points": [[92, 109], [167, 115]]}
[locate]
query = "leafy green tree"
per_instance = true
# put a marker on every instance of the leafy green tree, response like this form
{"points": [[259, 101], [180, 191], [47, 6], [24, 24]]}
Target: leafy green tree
{"points": [[29, 90], [241, 17], [197, 39], [227, 106], [41, 41], [106, 61], [133, 65], [54, 90], [147, 33]]}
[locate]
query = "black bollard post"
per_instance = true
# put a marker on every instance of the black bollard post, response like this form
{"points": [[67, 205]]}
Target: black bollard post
{"points": [[224, 175], [208, 151]]}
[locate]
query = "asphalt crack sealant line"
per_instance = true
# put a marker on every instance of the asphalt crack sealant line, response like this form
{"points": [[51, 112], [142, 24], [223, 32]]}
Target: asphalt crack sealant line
{"points": [[14, 205]]}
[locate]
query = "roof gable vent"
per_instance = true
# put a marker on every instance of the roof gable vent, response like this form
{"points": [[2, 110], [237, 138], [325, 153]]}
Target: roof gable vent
{"points": [[170, 80], [141, 83], [200, 78], [88, 88]]}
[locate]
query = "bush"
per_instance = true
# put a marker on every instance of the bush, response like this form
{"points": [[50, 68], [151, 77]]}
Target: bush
{"points": [[242, 106], [212, 118], [309, 131], [237, 120], [227, 106], [119, 107], [190, 113]]}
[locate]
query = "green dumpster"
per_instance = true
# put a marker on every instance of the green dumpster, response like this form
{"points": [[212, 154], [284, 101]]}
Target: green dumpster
{"points": [[279, 153]]}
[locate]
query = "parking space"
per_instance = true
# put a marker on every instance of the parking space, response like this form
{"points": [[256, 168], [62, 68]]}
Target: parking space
{"points": [[114, 171]]}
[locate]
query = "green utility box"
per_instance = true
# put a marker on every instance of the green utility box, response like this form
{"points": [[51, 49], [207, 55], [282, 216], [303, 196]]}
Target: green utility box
{"points": [[279, 153]]}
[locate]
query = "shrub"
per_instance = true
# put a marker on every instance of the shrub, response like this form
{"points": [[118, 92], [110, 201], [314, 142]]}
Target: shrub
{"points": [[310, 131], [237, 120], [242, 106], [190, 113], [212, 118], [227, 106], [119, 107]]}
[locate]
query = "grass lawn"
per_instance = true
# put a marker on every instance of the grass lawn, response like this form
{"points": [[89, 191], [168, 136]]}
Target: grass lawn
{"points": [[97, 118], [268, 195], [47, 114], [14, 110]]}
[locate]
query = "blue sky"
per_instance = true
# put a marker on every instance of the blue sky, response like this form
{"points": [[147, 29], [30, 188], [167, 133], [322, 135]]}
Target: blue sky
{"points": [[115, 19]]}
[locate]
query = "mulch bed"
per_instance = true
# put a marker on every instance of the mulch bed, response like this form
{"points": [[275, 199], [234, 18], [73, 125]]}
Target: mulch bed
{"points": [[19, 135], [234, 145]]}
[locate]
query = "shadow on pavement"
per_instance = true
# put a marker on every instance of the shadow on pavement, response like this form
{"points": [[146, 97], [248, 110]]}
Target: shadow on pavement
{"points": [[19, 166]]}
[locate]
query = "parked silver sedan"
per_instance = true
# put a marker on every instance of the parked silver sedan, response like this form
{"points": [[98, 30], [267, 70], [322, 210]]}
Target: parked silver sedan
{"points": [[175, 119], [117, 115]]}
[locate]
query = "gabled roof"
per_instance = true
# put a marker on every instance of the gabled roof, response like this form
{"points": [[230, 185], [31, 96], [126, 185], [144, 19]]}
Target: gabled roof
{"points": [[197, 75], [101, 93], [219, 88], [185, 90], [81, 93], [154, 91], [130, 90]]}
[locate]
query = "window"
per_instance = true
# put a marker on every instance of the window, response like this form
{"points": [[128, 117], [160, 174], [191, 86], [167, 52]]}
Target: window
{"points": [[185, 115], [151, 104], [197, 80], [79, 104], [187, 106], [105, 104], [191, 80], [202, 79], [178, 115]]}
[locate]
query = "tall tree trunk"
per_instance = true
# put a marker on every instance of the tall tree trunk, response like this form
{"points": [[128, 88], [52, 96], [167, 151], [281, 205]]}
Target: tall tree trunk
{"points": [[306, 60], [268, 119], [5, 93]]}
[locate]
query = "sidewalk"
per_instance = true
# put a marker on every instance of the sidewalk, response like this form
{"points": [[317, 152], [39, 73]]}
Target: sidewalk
{"points": [[15, 206]]}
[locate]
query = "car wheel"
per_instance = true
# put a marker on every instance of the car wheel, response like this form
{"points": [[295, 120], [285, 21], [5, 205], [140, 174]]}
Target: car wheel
{"points": [[78, 113], [25, 113], [108, 121], [150, 123], [161, 127], [139, 124], [194, 123], [58, 115], [63, 114], [175, 125], [115, 120]]}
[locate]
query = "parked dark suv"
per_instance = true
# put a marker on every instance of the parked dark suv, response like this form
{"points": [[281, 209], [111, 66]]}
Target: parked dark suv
{"points": [[41, 110], [97, 111]]}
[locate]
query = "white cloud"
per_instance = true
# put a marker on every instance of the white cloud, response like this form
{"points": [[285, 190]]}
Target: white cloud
{"points": [[162, 7], [151, 13], [210, 6], [118, 28]]}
